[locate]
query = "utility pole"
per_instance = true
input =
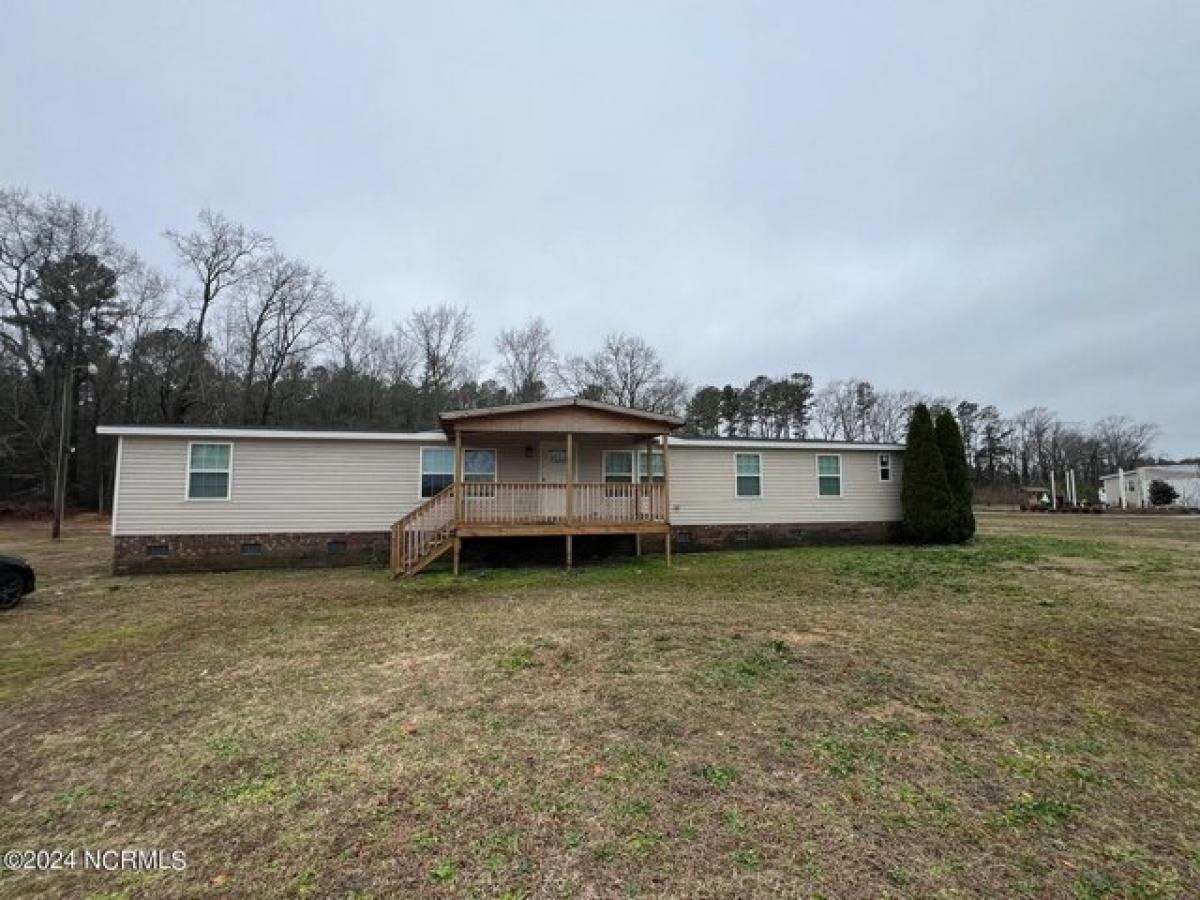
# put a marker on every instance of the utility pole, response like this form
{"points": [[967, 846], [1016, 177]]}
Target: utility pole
{"points": [[64, 445]]}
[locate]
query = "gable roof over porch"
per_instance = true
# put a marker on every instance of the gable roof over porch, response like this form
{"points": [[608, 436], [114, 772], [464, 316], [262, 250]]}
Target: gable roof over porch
{"points": [[560, 415]]}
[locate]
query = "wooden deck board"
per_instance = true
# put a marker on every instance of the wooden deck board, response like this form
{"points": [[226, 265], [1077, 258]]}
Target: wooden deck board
{"points": [[551, 529]]}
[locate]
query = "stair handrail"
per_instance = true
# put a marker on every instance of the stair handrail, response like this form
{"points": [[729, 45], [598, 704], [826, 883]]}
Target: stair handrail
{"points": [[410, 542]]}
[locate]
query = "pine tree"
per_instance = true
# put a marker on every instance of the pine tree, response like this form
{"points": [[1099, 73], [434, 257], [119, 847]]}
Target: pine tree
{"points": [[925, 497], [958, 476]]}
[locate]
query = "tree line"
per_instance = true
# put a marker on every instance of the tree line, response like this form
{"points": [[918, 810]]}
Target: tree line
{"points": [[1001, 450], [237, 331]]}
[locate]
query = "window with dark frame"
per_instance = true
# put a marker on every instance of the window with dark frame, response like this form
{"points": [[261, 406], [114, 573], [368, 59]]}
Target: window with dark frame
{"points": [[437, 468], [618, 467], [652, 467]]}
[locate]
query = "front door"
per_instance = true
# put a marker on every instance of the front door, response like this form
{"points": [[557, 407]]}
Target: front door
{"points": [[553, 469]]}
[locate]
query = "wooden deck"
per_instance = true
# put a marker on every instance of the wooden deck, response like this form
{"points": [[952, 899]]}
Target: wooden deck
{"points": [[525, 509]]}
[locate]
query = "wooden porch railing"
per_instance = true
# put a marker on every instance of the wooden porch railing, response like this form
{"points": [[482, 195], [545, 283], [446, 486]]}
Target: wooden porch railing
{"points": [[428, 531], [518, 503], [423, 534], [511, 502], [640, 503]]}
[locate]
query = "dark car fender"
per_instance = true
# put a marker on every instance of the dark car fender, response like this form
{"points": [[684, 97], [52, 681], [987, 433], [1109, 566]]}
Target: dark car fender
{"points": [[22, 566]]}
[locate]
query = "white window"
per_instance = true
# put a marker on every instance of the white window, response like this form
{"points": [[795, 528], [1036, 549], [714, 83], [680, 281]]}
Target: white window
{"points": [[437, 468], [885, 467], [618, 467], [829, 475], [479, 465], [652, 467], [747, 469], [209, 470]]}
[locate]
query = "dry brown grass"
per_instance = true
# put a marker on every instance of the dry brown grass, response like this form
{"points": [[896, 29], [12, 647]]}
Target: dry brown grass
{"points": [[1018, 717]]}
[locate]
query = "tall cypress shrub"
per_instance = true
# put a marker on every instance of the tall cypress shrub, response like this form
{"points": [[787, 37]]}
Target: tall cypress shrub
{"points": [[958, 476], [925, 494]]}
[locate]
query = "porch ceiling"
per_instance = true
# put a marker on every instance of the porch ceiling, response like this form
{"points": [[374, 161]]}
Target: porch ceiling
{"points": [[559, 416]]}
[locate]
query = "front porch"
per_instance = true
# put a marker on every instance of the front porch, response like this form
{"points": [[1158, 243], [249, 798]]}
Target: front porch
{"points": [[562, 467]]}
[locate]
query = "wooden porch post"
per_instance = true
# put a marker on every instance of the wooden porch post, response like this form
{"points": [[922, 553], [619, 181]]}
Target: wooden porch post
{"points": [[570, 488], [458, 492], [458, 475], [666, 442], [649, 488], [569, 551]]}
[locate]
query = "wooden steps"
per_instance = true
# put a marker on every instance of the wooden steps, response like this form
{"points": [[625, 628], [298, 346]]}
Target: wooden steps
{"points": [[423, 535]]}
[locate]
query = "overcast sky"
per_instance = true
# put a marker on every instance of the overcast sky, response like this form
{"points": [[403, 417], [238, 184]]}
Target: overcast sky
{"points": [[997, 201]]}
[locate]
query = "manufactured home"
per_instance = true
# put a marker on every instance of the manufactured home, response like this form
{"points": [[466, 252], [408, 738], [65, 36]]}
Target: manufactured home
{"points": [[199, 497], [1130, 488]]}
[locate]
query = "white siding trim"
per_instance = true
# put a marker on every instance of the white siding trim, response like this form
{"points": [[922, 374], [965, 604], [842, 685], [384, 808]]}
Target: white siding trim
{"points": [[753, 444], [233, 434], [116, 504]]}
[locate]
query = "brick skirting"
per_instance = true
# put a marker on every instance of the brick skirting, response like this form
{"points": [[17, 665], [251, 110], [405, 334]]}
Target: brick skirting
{"points": [[798, 534], [208, 552], [195, 552]]}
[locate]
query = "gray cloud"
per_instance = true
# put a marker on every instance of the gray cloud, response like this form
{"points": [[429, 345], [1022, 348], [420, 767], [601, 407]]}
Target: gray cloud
{"points": [[970, 199]]}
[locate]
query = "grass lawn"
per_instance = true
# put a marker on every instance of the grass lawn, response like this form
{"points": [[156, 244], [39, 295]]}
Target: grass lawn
{"points": [[1020, 717]]}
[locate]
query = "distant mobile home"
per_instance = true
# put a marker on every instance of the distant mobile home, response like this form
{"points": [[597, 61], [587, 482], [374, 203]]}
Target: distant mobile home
{"points": [[1184, 478], [194, 498]]}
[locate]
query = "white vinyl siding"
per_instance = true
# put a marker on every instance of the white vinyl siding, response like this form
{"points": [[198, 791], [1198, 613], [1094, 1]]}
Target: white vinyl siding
{"points": [[289, 484], [703, 493], [283, 485]]}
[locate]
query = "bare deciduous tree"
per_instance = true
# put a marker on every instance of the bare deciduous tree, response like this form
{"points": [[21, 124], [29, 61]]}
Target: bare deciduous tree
{"points": [[397, 356], [1122, 441], [145, 295], [626, 371], [220, 255], [841, 409], [441, 336], [888, 418], [351, 332], [526, 360], [284, 313]]}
